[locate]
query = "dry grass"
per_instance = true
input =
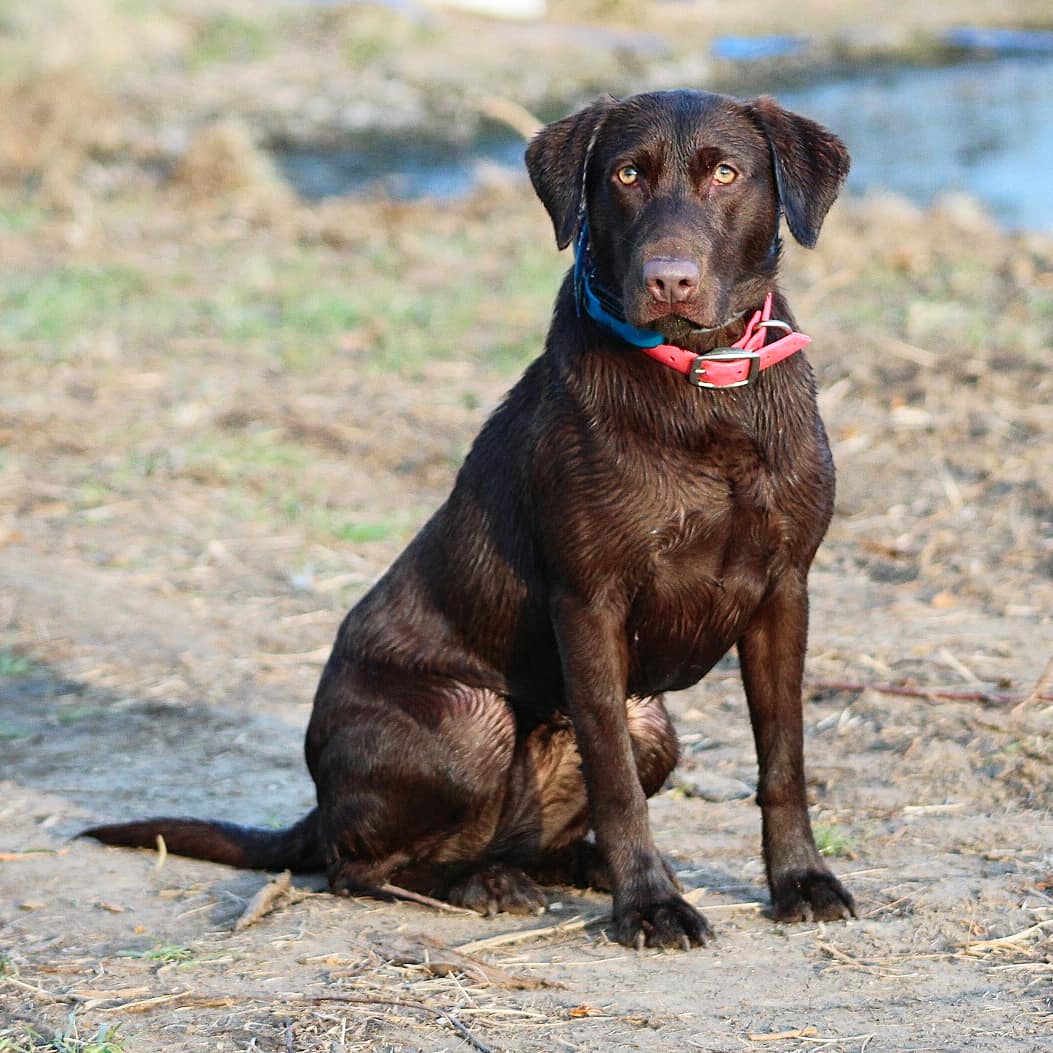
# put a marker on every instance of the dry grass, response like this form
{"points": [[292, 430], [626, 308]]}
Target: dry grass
{"points": [[223, 411]]}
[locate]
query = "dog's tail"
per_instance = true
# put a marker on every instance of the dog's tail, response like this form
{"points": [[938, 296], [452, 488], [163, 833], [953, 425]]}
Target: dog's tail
{"points": [[297, 848]]}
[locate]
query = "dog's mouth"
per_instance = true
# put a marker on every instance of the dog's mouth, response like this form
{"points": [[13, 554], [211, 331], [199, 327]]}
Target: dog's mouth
{"points": [[685, 311], [695, 316], [682, 322]]}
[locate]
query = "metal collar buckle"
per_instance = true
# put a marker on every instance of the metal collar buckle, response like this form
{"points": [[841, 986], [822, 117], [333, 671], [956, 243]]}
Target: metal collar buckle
{"points": [[697, 373]]}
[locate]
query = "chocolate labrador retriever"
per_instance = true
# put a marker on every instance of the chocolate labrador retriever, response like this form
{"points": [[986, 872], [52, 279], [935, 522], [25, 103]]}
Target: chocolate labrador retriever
{"points": [[649, 495]]}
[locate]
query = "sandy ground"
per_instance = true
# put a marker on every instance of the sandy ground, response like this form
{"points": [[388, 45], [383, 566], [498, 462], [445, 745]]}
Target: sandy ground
{"points": [[220, 418]]}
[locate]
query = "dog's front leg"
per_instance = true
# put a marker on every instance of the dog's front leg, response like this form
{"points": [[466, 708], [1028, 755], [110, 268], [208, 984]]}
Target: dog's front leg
{"points": [[648, 910], [772, 655]]}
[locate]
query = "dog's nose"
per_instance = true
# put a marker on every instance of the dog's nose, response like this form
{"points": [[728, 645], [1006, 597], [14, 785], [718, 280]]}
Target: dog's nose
{"points": [[671, 280]]}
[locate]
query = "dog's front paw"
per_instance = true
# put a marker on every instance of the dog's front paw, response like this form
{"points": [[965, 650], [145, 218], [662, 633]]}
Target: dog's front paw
{"points": [[498, 888], [668, 921], [810, 894]]}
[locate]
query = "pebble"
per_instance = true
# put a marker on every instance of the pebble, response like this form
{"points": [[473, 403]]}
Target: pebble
{"points": [[711, 786]]}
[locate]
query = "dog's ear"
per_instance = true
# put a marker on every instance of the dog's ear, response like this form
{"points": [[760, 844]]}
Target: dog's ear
{"points": [[810, 166], [556, 159]]}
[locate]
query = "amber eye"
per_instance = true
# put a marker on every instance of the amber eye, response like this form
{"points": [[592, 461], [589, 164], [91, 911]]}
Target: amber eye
{"points": [[724, 174], [627, 175]]}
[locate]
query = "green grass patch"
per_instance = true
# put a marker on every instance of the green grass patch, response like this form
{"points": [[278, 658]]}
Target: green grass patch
{"points": [[373, 34], [1040, 305], [18, 217], [167, 954], [367, 49], [300, 308], [25, 1040], [14, 665], [381, 530], [293, 309], [170, 954], [398, 301], [75, 714], [54, 306], [229, 38], [832, 842], [333, 523], [247, 459]]}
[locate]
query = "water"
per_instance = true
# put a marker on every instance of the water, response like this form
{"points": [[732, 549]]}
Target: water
{"points": [[406, 167], [984, 128], [980, 127]]}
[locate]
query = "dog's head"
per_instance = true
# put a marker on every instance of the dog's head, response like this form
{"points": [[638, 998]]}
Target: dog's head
{"points": [[683, 192]]}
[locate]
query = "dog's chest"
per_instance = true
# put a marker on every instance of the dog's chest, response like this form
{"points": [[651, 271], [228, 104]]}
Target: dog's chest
{"points": [[704, 578], [689, 515], [713, 535]]}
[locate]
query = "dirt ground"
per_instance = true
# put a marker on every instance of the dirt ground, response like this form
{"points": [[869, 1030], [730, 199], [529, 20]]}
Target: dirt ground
{"points": [[223, 411]]}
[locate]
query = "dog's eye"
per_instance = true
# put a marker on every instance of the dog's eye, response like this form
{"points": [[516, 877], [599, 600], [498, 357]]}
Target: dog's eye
{"points": [[627, 175], [724, 174]]}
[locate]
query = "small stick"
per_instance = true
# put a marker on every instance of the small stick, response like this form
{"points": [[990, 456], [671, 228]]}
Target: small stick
{"points": [[693, 896], [265, 900], [920, 356], [935, 694], [460, 1028], [91, 994], [182, 1000], [779, 1036], [822, 1042], [511, 113], [840, 956], [36, 990], [520, 935], [425, 901], [1042, 691], [187, 999], [31, 853], [1007, 941], [466, 1034], [959, 666], [889, 906]]}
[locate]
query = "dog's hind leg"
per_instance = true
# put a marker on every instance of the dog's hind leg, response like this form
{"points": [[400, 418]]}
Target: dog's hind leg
{"points": [[441, 796], [545, 819], [544, 813], [413, 784]]}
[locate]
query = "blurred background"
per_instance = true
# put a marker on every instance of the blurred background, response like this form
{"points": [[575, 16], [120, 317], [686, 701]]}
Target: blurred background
{"points": [[410, 98], [266, 265]]}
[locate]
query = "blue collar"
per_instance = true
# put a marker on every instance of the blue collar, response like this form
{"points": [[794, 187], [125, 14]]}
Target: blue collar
{"points": [[598, 302]]}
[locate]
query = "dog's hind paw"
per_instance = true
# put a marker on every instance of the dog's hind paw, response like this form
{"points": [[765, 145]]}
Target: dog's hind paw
{"points": [[668, 922], [498, 888], [811, 894]]}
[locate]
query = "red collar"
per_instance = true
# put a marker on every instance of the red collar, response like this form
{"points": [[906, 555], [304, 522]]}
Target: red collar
{"points": [[732, 367]]}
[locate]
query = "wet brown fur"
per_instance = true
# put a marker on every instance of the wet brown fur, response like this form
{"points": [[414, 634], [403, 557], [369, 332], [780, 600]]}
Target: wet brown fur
{"points": [[613, 532]]}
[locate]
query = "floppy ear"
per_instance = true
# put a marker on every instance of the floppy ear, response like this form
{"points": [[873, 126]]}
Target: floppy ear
{"points": [[810, 165], [556, 160]]}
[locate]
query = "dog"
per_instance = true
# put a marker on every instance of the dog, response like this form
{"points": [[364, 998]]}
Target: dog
{"points": [[649, 495]]}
